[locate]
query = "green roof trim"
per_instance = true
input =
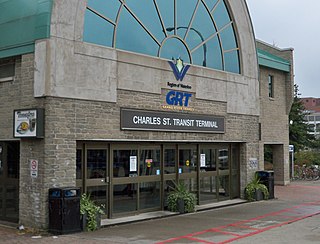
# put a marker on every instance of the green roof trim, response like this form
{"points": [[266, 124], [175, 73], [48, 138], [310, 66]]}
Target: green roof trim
{"points": [[273, 61], [22, 23]]}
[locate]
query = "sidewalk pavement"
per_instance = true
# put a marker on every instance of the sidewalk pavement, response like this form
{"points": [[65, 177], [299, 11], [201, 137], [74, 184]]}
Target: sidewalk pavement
{"points": [[292, 217]]}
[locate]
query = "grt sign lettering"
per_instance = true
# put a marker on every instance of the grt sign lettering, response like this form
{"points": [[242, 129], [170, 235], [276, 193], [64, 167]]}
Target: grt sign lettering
{"points": [[178, 98], [162, 121]]}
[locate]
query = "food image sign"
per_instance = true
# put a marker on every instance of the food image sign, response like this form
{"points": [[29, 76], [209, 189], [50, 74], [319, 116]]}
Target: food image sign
{"points": [[28, 123]]}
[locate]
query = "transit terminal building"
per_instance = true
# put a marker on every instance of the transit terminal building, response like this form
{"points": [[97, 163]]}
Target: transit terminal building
{"points": [[120, 98]]}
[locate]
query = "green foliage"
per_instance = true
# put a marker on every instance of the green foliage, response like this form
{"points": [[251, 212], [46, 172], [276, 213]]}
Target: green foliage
{"points": [[254, 185], [91, 210], [180, 192], [307, 157], [298, 130]]}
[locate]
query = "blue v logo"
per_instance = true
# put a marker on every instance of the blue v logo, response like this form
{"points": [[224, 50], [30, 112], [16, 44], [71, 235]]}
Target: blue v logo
{"points": [[179, 70]]}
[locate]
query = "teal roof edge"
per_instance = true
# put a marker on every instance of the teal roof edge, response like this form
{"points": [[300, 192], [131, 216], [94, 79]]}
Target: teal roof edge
{"points": [[272, 61], [21, 24]]}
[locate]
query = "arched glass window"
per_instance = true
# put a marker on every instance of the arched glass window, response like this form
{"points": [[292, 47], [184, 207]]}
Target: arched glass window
{"points": [[200, 32]]}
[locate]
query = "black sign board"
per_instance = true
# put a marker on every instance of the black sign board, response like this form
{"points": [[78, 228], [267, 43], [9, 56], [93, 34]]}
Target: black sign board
{"points": [[132, 119]]}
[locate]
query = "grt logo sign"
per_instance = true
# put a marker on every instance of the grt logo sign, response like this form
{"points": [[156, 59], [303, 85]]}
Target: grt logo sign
{"points": [[178, 98], [179, 69]]}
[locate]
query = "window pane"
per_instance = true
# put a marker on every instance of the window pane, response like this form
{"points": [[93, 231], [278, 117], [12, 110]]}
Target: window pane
{"points": [[174, 48], [213, 54], [270, 85], [149, 162], [149, 18], [135, 38], [210, 3], [231, 60], [208, 191], [223, 159], [149, 195], [79, 164], [97, 30], [121, 162], [187, 161], [96, 163], [202, 28], [124, 198], [228, 39], [7, 70], [98, 194], [13, 160], [169, 161], [108, 8], [185, 9], [210, 160], [166, 9], [224, 192], [221, 15]]}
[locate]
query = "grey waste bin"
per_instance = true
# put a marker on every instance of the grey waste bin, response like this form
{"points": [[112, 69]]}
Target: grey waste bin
{"points": [[64, 210], [267, 178]]}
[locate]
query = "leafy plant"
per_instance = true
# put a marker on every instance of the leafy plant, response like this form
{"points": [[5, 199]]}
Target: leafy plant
{"points": [[89, 209], [253, 187], [180, 193]]}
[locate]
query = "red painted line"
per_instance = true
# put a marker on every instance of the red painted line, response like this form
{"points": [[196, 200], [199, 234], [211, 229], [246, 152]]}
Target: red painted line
{"points": [[268, 228], [243, 222], [225, 232], [199, 240], [243, 227]]}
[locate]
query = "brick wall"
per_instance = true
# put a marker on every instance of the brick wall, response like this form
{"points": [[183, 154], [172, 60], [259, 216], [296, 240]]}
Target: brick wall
{"points": [[70, 120]]}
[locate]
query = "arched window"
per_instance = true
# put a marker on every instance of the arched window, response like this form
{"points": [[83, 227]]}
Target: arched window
{"points": [[200, 32]]}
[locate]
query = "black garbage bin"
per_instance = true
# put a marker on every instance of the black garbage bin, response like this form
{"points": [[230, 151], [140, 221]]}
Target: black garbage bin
{"points": [[267, 178], [64, 210]]}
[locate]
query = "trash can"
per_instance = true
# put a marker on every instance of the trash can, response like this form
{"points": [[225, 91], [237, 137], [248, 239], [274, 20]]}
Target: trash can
{"points": [[267, 178], [64, 210]]}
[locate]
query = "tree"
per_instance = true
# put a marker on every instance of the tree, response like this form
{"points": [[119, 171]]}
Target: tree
{"points": [[299, 131]]}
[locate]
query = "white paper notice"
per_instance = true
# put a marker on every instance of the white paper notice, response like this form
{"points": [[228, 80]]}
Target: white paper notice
{"points": [[133, 163], [202, 160]]}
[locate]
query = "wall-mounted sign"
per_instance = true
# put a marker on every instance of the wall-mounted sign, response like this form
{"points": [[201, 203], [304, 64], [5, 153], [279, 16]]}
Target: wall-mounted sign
{"points": [[34, 168], [133, 163], [202, 160], [253, 163], [132, 119], [177, 98], [179, 69], [28, 123]]}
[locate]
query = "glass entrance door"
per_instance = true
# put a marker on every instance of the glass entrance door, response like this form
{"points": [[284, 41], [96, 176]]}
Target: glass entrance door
{"points": [[136, 179], [208, 175], [188, 167], [9, 181], [214, 173], [95, 158]]}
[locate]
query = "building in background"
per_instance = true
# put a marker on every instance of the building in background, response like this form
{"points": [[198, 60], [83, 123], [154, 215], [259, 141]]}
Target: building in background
{"points": [[312, 108], [276, 97], [120, 99]]}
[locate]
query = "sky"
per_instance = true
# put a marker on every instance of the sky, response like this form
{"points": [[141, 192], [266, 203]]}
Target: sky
{"points": [[292, 24]]}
